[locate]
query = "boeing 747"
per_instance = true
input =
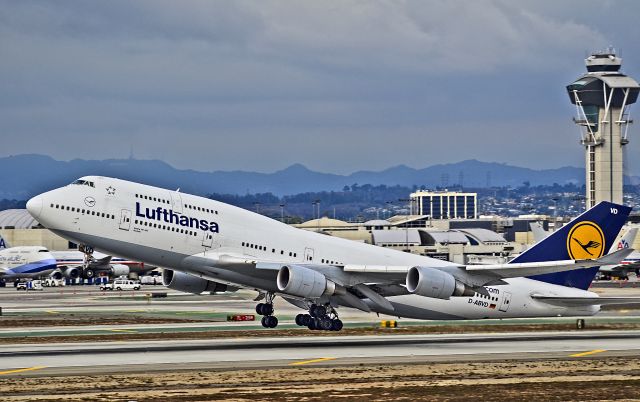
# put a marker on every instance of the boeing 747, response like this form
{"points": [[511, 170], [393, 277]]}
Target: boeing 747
{"points": [[210, 246]]}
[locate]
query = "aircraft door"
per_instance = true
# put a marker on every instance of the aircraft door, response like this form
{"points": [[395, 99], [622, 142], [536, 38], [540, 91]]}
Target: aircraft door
{"points": [[176, 202], [125, 219], [308, 255], [207, 239], [506, 300]]}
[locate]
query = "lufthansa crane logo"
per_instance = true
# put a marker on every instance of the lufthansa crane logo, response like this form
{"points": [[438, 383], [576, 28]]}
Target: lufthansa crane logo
{"points": [[90, 201], [585, 241]]}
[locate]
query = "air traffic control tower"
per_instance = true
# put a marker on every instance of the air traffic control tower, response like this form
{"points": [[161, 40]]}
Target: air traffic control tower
{"points": [[602, 97]]}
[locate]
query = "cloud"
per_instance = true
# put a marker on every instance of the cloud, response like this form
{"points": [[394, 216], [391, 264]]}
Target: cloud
{"points": [[293, 81]]}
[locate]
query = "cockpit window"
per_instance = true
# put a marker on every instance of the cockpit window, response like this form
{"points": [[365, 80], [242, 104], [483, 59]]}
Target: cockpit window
{"points": [[43, 251], [84, 183]]}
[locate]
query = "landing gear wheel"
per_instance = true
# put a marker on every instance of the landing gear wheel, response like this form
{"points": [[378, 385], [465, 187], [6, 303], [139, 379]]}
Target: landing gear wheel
{"points": [[88, 273], [267, 309], [336, 325], [299, 320], [259, 308], [318, 311], [325, 323], [320, 317], [269, 321]]}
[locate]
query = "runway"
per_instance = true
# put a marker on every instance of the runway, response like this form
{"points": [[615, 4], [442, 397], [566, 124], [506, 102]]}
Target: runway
{"points": [[224, 354]]}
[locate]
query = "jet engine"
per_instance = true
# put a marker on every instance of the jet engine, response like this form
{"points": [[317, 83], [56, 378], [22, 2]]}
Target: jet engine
{"points": [[304, 282], [430, 282], [56, 274], [119, 270], [190, 284], [71, 272]]}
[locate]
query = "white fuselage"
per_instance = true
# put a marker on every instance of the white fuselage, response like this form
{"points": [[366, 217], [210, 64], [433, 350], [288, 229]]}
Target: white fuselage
{"points": [[25, 262], [165, 228]]}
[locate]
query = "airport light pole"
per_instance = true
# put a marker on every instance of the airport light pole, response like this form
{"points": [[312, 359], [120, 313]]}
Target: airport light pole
{"points": [[257, 205], [282, 213]]}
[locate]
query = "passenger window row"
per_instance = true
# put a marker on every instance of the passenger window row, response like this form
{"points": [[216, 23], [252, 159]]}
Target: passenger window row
{"points": [[195, 208], [156, 199], [166, 227], [264, 248], [83, 211], [326, 261]]}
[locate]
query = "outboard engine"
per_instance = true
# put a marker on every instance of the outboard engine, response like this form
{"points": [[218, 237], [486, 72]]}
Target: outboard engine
{"points": [[431, 282]]}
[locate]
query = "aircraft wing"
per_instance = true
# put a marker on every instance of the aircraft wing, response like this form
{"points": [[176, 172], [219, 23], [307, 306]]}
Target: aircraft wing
{"points": [[389, 280], [480, 275], [585, 301]]}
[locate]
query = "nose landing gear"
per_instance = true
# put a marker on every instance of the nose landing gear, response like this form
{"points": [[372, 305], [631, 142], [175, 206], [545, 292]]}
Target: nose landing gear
{"points": [[266, 310], [320, 317]]}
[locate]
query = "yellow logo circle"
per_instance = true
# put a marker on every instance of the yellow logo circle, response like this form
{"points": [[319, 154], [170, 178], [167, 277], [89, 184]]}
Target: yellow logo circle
{"points": [[585, 241]]}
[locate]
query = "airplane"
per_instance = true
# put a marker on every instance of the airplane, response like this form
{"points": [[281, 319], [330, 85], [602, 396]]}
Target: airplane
{"points": [[71, 264], [630, 264], [24, 262], [210, 246]]}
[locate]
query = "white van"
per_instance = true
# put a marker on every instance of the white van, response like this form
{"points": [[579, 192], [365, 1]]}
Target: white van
{"points": [[121, 284]]}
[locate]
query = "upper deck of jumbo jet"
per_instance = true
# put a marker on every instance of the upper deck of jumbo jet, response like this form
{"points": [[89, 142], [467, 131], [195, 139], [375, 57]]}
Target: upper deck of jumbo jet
{"points": [[112, 195]]}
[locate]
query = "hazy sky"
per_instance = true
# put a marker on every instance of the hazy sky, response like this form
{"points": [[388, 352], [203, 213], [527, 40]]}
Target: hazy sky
{"points": [[339, 86]]}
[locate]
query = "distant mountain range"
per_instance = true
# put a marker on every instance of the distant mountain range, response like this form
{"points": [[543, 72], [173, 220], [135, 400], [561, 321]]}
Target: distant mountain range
{"points": [[27, 175]]}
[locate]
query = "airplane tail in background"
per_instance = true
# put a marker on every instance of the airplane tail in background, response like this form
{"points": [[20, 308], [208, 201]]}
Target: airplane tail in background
{"points": [[588, 236], [626, 241], [3, 243]]}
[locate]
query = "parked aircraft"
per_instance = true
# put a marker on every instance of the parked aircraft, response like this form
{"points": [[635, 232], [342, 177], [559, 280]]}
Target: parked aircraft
{"points": [[630, 264], [24, 262], [210, 246], [71, 264]]}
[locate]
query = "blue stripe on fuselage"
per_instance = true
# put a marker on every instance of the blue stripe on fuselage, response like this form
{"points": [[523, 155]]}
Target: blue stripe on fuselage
{"points": [[34, 267]]}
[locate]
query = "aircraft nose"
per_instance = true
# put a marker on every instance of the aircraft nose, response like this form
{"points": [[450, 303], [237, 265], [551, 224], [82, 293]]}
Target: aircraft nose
{"points": [[34, 206]]}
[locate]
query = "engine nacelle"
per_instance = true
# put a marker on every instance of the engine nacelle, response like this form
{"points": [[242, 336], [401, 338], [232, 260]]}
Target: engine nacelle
{"points": [[190, 284], [71, 272], [119, 270], [56, 274], [304, 282], [430, 282]]}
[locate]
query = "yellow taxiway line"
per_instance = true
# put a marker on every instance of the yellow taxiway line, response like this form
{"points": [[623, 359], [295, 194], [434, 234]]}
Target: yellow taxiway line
{"points": [[322, 359], [22, 370], [591, 352]]}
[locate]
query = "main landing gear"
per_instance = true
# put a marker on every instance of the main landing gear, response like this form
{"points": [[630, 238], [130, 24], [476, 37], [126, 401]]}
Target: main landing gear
{"points": [[87, 251], [266, 310], [320, 317]]}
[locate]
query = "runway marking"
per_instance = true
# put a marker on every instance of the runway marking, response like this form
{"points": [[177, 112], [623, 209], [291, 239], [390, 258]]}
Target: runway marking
{"points": [[322, 359], [591, 352], [124, 330], [52, 312], [22, 370]]}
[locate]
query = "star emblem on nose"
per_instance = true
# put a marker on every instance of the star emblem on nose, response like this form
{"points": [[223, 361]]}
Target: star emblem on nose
{"points": [[111, 190]]}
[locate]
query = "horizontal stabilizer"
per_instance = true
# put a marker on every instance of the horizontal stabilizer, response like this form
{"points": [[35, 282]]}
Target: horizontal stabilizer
{"points": [[538, 268]]}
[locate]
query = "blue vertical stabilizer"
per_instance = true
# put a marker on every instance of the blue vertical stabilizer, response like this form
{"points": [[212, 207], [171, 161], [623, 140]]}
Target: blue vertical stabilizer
{"points": [[588, 236]]}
